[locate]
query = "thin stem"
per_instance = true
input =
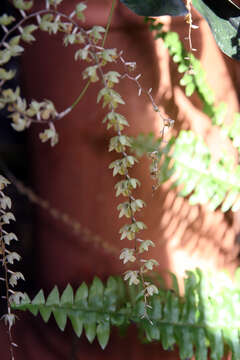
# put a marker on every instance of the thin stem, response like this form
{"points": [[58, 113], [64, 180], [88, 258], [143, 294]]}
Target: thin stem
{"points": [[4, 264], [109, 22], [103, 43], [80, 96]]}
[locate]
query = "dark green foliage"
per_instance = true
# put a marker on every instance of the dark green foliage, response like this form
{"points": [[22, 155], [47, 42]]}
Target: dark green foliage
{"points": [[224, 20], [206, 318], [156, 7], [194, 80]]}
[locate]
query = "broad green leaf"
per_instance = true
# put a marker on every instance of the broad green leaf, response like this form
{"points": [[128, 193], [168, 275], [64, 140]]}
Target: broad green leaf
{"points": [[67, 296], [200, 343], [156, 7], [111, 294], [185, 342], [81, 297], [236, 206], [175, 284], [206, 316], [26, 300], [230, 199], [152, 331], [6, 75], [33, 309], [77, 324], [171, 309], [96, 293], [60, 316], [231, 337], [53, 297], [6, 19], [155, 312], [224, 21], [23, 5], [216, 343], [45, 312], [103, 334], [90, 331], [167, 336], [39, 298]]}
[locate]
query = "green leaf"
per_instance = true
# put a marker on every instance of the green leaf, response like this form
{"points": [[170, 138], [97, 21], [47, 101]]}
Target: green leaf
{"points": [[55, 2], [119, 143], [152, 332], [77, 324], [185, 343], [39, 298], [27, 33], [155, 311], [216, 343], [67, 296], [189, 90], [111, 294], [175, 284], [5, 56], [200, 343], [120, 166], [48, 24], [96, 32], [61, 318], [25, 300], [125, 187], [103, 334], [116, 120], [53, 297], [110, 97], [81, 297], [207, 316], [23, 5], [6, 20], [108, 55], [6, 75], [91, 73], [186, 79], [156, 7], [232, 339], [90, 331], [229, 201], [45, 312], [80, 8], [224, 21], [96, 293], [167, 337]]}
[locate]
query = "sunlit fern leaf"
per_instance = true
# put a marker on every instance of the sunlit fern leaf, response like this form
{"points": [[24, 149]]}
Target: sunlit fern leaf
{"points": [[205, 318], [187, 160]]}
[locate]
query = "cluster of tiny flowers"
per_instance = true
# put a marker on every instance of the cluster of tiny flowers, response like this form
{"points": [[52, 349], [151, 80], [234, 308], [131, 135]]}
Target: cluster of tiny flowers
{"points": [[121, 166], [22, 114], [92, 50], [8, 257]]}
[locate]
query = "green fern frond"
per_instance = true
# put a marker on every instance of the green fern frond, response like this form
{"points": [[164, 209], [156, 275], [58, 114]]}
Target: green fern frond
{"points": [[207, 317], [188, 160], [145, 143], [194, 80]]}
